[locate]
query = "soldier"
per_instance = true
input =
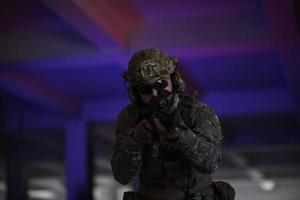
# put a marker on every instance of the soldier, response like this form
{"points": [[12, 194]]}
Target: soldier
{"points": [[169, 140]]}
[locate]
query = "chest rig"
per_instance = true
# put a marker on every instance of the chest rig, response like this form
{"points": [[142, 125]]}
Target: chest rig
{"points": [[170, 169]]}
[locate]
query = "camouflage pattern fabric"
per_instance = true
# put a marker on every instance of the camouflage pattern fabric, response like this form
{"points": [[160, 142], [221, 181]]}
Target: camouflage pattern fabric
{"points": [[197, 154]]}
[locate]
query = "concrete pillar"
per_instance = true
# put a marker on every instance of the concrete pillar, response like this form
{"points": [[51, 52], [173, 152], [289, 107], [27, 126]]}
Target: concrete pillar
{"points": [[15, 177], [16, 180], [78, 161], [2, 115]]}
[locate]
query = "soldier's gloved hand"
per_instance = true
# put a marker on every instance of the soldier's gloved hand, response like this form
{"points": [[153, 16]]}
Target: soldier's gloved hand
{"points": [[171, 121], [176, 121], [142, 132], [176, 128]]}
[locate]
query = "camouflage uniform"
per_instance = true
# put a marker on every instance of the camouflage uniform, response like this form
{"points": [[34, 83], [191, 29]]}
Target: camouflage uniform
{"points": [[183, 166]]}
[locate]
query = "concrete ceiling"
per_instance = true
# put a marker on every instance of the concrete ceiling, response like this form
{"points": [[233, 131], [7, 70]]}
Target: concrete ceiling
{"points": [[79, 48], [62, 59]]}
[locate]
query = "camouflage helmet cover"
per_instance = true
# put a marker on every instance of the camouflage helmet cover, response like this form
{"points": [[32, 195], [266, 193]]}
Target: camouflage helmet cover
{"points": [[148, 65]]}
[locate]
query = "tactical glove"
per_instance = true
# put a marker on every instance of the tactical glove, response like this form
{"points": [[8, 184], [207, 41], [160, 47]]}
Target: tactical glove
{"points": [[176, 128], [142, 132], [175, 121]]}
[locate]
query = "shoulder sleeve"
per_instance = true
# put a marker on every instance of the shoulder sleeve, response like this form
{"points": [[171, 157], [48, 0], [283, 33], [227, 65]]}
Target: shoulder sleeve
{"points": [[205, 123], [201, 142], [127, 154]]}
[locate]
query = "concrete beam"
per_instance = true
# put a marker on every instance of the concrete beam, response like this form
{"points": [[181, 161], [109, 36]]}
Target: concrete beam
{"points": [[251, 101], [25, 85], [120, 57], [91, 17]]}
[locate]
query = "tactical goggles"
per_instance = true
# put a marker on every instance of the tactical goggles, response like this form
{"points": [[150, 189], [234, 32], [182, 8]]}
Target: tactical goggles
{"points": [[158, 85]]}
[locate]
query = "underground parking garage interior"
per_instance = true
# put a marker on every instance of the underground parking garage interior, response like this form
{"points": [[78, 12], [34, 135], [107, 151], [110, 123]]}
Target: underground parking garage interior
{"points": [[61, 90]]}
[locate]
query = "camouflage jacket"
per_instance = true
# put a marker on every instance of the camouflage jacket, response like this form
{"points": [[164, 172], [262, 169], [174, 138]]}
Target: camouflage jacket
{"points": [[197, 154]]}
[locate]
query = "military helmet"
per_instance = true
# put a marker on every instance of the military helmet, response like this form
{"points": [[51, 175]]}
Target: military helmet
{"points": [[148, 65]]}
